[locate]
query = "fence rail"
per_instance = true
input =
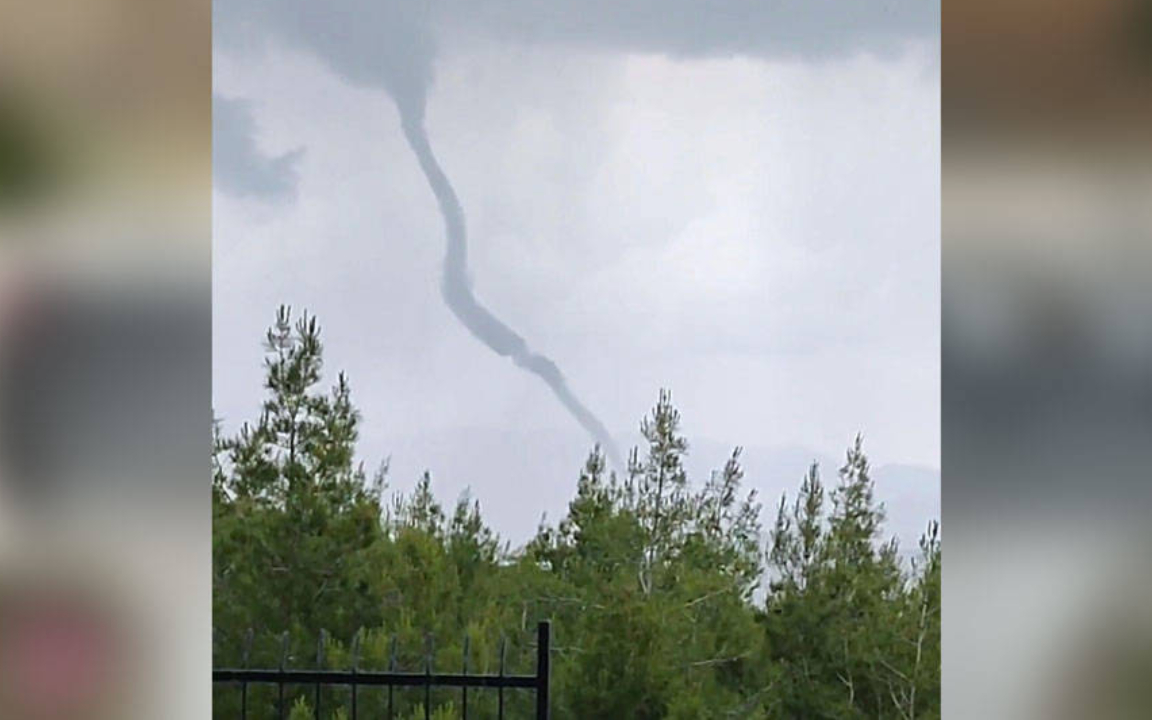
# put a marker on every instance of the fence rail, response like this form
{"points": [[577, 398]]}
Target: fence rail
{"points": [[354, 678]]}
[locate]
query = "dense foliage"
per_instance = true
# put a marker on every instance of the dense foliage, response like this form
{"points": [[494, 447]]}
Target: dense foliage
{"points": [[667, 599]]}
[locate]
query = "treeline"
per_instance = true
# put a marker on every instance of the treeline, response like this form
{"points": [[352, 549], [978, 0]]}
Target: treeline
{"points": [[668, 599]]}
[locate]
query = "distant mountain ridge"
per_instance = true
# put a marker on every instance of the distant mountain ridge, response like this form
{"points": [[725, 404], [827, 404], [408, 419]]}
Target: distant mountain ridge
{"points": [[518, 477]]}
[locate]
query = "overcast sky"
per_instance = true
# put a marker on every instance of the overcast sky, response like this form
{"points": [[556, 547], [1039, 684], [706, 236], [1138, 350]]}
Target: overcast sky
{"points": [[739, 202]]}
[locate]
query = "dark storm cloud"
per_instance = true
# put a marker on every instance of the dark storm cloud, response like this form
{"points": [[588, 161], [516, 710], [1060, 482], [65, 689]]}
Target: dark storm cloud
{"points": [[376, 43], [760, 28], [238, 166], [390, 45], [370, 39]]}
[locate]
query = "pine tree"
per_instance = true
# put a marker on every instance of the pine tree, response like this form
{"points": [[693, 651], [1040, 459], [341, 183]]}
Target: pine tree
{"points": [[294, 513], [650, 580], [837, 611]]}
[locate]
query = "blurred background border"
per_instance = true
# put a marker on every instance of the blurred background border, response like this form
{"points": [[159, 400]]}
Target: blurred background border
{"points": [[1046, 357], [105, 375]]}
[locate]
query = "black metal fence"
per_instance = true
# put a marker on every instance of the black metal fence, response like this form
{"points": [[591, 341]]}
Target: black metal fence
{"points": [[353, 679]]}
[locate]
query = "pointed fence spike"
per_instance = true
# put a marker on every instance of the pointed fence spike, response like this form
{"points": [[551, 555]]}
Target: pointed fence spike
{"points": [[464, 689], [391, 668], [320, 666], [249, 637], [280, 704], [284, 643], [500, 688], [355, 667], [428, 671]]}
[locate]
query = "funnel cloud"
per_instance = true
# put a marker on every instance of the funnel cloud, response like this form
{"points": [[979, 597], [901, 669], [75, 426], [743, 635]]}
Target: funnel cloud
{"points": [[389, 45], [392, 45], [456, 288]]}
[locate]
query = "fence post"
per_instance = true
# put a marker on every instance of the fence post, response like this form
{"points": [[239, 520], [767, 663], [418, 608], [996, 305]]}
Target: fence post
{"points": [[319, 666], [391, 668], [500, 686], [280, 703], [428, 660], [543, 668], [355, 668], [248, 639], [464, 689]]}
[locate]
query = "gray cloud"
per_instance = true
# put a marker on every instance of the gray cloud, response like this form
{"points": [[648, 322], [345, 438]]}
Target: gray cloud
{"points": [[391, 41], [806, 29], [379, 43], [238, 166], [760, 237], [388, 45], [391, 44]]}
